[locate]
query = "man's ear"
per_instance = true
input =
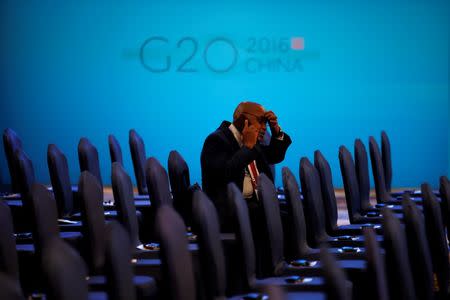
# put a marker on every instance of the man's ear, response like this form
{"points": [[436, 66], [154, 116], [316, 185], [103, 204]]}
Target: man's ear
{"points": [[239, 123]]}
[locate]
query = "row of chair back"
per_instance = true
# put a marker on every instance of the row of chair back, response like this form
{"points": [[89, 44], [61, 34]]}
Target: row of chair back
{"points": [[12, 142], [64, 274], [23, 172], [424, 243], [178, 173], [88, 157], [137, 148], [138, 157]]}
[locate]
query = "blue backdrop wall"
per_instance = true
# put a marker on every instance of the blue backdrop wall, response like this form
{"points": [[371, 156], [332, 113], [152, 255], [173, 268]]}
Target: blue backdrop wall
{"points": [[173, 70]]}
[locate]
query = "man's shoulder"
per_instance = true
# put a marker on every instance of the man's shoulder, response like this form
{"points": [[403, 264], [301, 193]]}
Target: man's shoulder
{"points": [[221, 133]]}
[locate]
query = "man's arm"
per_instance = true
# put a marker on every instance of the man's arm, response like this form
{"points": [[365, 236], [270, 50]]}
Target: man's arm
{"points": [[280, 141], [276, 150]]}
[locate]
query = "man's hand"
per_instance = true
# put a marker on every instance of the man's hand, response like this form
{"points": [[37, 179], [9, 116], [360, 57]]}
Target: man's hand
{"points": [[273, 123], [249, 135]]}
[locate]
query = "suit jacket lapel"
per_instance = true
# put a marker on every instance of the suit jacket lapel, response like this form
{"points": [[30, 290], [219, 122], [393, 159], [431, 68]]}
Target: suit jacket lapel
{"points": [[229, 135]]}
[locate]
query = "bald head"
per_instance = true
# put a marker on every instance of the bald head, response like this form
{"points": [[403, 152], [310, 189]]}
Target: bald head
{"points": [[248, 107], [254, 114]]}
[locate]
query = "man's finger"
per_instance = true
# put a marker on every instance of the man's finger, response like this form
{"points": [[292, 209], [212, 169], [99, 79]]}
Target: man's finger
{"points": [[270, 115]]}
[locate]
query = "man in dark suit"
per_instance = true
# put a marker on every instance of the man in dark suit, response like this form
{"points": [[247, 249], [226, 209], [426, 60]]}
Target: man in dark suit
{"points": [[235, 153]]}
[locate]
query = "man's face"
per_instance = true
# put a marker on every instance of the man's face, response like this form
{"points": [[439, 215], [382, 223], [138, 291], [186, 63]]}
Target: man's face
{"points": [[256, 117]]}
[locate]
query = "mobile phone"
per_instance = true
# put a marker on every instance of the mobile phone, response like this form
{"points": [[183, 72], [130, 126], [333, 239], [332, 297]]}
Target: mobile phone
{"points": [[349, 249], [23, 235], [302, 263], [294, 279], [255, 296], [239, 123]]}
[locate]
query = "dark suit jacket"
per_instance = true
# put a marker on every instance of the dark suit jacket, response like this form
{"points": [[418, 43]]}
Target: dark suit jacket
{"points": [[223, 161]]}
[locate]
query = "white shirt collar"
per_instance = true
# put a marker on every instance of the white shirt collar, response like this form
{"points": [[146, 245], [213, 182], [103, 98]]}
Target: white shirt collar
{"points": [[236, 133]]}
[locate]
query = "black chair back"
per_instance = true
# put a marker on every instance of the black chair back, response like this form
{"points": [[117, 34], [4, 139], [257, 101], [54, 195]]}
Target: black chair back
{"points": [[88, 159], [436, 239], [137, 149], [328, 196], [244, 238], [64, 272], [115, 151], [336, 284], [212, 259], [118, 268], [177, 270], [12, 142], [382, 194], [25, 176], [418, 250], [45, 216], [124, 202], [362, 173], [296, 224], [10, 288], [273, 227], [180, 184], [398, 270], [157, 183], [444, 191], [25, 173], [93, 220], [8, 254], [349, 178], [60, 179], [374, 284], [312, 198], [387, 160]]}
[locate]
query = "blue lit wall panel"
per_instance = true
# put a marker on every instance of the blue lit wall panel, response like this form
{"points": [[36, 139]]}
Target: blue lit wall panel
{"points": [[332, 71]]}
